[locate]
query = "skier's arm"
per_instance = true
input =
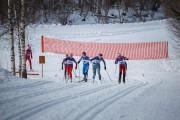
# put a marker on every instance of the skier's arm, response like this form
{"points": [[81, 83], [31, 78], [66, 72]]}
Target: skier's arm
{"points": [[31, 54], [63, 64], [26, 53], [76, 63], [92, 59], [116, 61], [89, 60], [126, 58], [79, 60], [104, 63]]}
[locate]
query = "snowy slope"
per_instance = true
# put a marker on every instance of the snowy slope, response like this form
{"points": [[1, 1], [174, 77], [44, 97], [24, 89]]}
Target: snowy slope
{"points": [[151, 91]]}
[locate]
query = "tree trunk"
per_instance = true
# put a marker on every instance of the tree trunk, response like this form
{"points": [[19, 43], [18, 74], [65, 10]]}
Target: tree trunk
{"points": [[91, 5], [106, 11], [19, 39], [22, 28], [11, 31], [80, 2], [20, 55], [82, 7], [99, 6]]}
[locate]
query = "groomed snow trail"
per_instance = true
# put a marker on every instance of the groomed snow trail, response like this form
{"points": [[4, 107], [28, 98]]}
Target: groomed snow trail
{"points": [[151, 91]]}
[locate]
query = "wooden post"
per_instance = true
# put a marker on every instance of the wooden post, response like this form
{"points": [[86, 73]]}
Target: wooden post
{"points": [[42, 61]]}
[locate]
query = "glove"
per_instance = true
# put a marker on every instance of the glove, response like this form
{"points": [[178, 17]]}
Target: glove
{"points": [[115, 62], [90, 59], [105, 67], [62, 68], [76, 67], [78, 62]]}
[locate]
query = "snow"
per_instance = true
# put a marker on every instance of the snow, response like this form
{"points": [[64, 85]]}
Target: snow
{"points": [[151, 91]]}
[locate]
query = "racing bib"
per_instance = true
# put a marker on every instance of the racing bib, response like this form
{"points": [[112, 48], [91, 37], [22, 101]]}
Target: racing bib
{"points": [[69, 62], [85, 61], [96, 61]]}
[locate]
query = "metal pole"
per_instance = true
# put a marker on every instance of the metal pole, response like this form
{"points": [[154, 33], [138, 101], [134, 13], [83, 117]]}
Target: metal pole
{"points": [[42, 70], [79, 72], [115, 72], [109, 76]]}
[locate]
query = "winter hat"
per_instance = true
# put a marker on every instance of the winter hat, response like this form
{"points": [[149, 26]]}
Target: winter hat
{"points": [[100, 54], [70, 54], [84, 53], [29, 47]]}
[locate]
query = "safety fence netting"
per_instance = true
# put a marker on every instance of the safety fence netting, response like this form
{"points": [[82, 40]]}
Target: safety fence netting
{"points": [[134, 51]]}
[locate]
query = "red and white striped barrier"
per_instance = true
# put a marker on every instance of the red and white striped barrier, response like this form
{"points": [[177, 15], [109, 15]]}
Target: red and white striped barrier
{"points": [[133, 51]]}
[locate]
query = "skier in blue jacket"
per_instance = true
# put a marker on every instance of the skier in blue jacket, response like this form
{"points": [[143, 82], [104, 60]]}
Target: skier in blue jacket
{"points": [[96, 65], [85, 60]]}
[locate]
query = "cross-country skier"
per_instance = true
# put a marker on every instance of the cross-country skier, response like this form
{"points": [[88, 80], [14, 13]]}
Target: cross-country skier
{"points": [[69, 61], [96, 65], [85, 60], [29, 55], [122, 66], [65, 65]]}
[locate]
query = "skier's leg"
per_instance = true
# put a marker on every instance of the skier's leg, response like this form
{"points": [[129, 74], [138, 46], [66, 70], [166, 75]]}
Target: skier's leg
{"points": [[70, 72], [84, 72], [28, 59], [124, 73], [98, 69], [94, 71], [65, 73], [30, 63], [87, 72], [120, 77], [120, 73], [126, 69], [84, 78]]}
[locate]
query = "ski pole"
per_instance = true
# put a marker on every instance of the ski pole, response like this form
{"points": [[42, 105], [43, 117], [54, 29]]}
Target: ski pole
{"points": [[79, 71], [102, 77], [65, 72], [74, 73], [109, 76], [63, 76], [115, 72]]}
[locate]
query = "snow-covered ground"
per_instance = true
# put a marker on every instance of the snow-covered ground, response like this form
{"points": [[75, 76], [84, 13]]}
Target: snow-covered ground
{"points": [[150, 93]]}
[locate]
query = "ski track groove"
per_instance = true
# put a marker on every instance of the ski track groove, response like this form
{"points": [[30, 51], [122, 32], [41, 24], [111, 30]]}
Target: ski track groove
{"points": [[98, 108], [22, 115], [24, 86], [37, 94]]}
